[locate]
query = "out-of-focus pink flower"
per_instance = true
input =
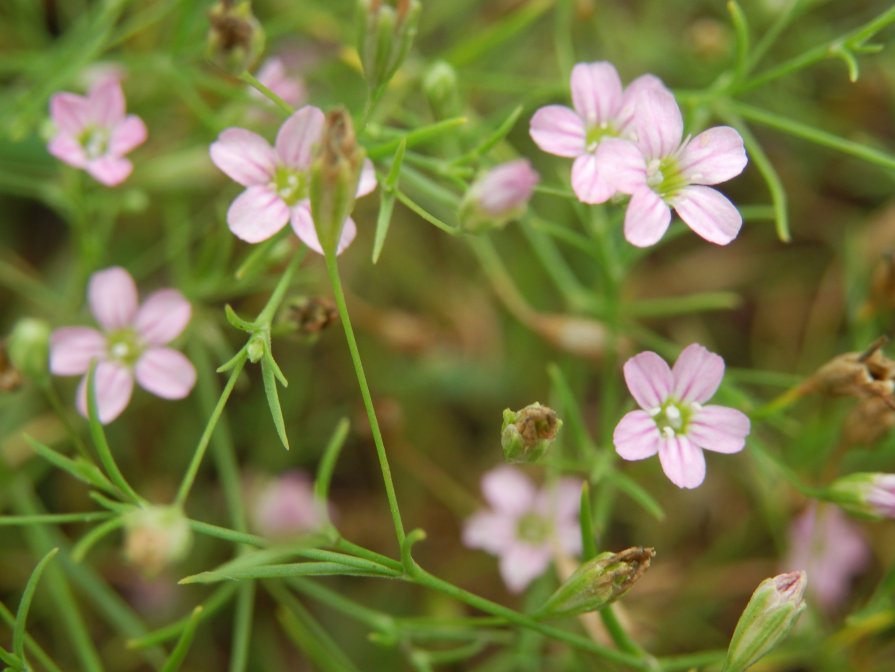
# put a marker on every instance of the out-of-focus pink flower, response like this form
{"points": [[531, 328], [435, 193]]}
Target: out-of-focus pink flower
{"points": [[662, 170], [831, 550], [94, 133], [285, 507], [603, 115], [129, 346], [673, 421], [276, 180], [274, 76], [524, 524], [499, 196], [881, 496]]}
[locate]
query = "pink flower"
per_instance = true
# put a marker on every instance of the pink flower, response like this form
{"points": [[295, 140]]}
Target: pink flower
{"points": [[830, 549], [93, 133], [881, 495], [286, 506], [277, 179], [673, 421], [524, 524], [669, 171], [273, 75], [499, 196], [129, 346], [602, 111]]}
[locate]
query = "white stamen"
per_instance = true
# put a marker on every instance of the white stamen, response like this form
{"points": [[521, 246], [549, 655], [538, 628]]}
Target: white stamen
{"points": [[120, 350]]}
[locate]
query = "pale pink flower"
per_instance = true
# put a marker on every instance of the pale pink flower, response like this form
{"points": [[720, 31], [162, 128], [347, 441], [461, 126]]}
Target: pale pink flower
{"points": [[670, 171], [129, 346], [881, 495], [673, 421], [525, 524], [830, 549], [277, 180], [602, 113], [499, 195], [94, 133], [286, 506], [274, 76]]}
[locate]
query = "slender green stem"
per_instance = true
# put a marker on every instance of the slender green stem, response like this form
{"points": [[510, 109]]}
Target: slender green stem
{"points": [[332, 269], [54, 518], [252, 81]]}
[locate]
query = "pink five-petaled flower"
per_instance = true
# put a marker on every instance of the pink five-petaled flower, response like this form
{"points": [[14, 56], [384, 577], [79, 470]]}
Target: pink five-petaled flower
{"points": [[274, 76], [129, 346], [673, 421], [277, 180], [664, 170], [94, 133], [524, 524], [602, 112]]}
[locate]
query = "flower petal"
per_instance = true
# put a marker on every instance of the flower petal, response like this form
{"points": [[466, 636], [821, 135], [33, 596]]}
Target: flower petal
{"points": [[508, 491], [682, 462], [71, 113], [624, 118], [558, 130], [367, 181], [589, 182], [257, 214], [298, 135], [697, 374], [162, 317], [65, 148], [708, 212], [658, 122], [596, 92], [647, 218], [560, 502], [649, 379], [244, 156], [520, 564], [109, 170], [623, 164], [713, 156], [636, 436], [113, 298], [303, 225], [106, 100], [166, 373], [72, 349], [489, 531], [114, 384], [718, 428], [127, 135]]}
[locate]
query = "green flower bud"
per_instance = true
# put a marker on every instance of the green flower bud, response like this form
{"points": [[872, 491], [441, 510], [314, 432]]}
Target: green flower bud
{"points": [[598, 582], [384, 36], [527, 435], [772, 611], [29, 347], [335, 173], [440, 87], [256, 348], [869, 495], [235, 39], [155, 537]]}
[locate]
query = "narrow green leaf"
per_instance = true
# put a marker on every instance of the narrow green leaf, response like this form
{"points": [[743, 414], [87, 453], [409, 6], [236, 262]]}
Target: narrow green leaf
{"points": [[418, 136], [492, 139], [273, 399], [79, 468], [588, 538], [387, 200], [18, 631], [741, 30], [237, 322], [631, 488], [54, 518], [571, 414], [10, 659], [90, 539], [328, 461], [183, 644], [277, 371], [283, 571], [219, 598]]}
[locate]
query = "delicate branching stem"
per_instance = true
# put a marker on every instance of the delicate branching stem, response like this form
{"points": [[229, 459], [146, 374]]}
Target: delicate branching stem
{"points": [[281, 104]]}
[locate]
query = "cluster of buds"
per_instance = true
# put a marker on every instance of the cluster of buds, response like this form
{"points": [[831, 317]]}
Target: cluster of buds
{"points": [[598, 582], [771, 613], [869, 495], [527, 435], [384, 36], [235, 39]]}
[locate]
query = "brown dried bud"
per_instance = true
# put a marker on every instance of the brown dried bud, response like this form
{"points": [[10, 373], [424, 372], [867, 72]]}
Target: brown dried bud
{"points": [[308, 316], [526, 435], [868, 374], [869, 421], [235, 39]]}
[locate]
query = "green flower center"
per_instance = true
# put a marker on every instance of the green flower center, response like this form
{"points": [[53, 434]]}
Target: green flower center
{"points": [[94, 141], [664, 177], [123, 346], [290, 185], [533, 529], [673, 417], [596, 133]]}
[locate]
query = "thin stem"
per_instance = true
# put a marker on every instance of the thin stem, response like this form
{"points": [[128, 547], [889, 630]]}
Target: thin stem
{"points": [[332, 269], [252, 81]]}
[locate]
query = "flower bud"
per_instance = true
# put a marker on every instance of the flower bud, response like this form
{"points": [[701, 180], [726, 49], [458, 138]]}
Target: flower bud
{"points": [[29, 347], [156, 536], [384, 36], [598, 582], [256, 348], [335, 173], [285, 507], [857, 374], [527, 435], [308, 316], [235, 39], [871, 495], [440, 87], [772, 611], [499, 196]]}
